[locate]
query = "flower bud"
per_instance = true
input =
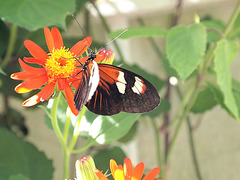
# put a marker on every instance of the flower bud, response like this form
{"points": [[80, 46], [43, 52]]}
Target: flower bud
{"points": [[85, 168]]}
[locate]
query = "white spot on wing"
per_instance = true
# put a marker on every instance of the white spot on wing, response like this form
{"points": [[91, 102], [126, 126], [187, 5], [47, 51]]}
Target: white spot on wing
{"points": [[138, 86], [94, 80], [121, 85]]}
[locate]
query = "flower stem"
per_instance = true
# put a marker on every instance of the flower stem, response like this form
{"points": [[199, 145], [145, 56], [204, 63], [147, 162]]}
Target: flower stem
{"points": [[76, 129], [193, 151], [88, 145], [191, 142], [59, 135], [158, 145], [210, 54], [11, 45], [193, 90]]}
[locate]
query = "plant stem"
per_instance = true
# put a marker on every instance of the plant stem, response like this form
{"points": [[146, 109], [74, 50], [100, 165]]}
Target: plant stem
{"points": [[232, 19], [193, 91], [59, 135], [88, 145], [107, 28], [191, 142], [193, 151], [158, 144], [208, 58], [11, 45], [210, 54], [76, 129]]}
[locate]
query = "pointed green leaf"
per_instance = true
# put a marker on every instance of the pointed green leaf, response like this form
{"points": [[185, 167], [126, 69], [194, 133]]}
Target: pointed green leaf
{"points": [[205, 101], [215, 28], [102, 158], [20, 157], [185, 48], [18, 177], [106, 129], [225, 53], [35, 14], [146, 31]]}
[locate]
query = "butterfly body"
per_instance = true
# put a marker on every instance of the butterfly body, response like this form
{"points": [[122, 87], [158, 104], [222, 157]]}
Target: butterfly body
{"points": [[107, 90]]}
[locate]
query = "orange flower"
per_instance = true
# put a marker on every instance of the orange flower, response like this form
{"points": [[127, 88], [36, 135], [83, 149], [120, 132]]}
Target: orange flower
{"points": [[127, 172], [59, 67]]}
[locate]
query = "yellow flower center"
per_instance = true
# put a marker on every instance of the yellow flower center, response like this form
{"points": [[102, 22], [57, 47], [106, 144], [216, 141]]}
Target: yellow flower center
{"points": [[60, 64]]}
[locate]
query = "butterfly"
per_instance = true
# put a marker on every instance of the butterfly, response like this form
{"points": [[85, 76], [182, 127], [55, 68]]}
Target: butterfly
{"points": [[107, 89]]}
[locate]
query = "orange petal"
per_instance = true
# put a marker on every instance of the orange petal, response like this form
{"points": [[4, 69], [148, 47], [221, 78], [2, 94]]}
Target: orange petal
{"points": [[152, 174], [43, 95], [34, 61], [61, 84], [128, 169], [69, 97], [31, 84], [81, 61], [31, 69], [35, 50], [57, 38], [113, 167], [81, 46], [138, 171], [21, 75], [100, 175], [49, 39]]}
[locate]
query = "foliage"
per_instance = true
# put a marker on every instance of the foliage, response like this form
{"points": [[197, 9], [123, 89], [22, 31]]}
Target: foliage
{"points": [[198, 54]]}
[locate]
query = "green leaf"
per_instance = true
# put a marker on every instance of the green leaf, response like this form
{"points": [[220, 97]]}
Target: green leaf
{"points": [[20, 157], [225, 53], [213, 26], [106, 129], [131, 134], [146, 31], [18, 177], [186, 47], [4, 36], [205, 101], [102, 158], [2, 72], [38, 13]]}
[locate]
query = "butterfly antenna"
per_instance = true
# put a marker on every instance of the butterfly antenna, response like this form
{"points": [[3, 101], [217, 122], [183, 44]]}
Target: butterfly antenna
{"points": [[116, 37], [84, 34]]}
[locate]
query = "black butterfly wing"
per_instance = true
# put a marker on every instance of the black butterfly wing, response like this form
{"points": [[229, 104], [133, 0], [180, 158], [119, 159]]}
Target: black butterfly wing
{"points": [[87, 85], [120, 90]]}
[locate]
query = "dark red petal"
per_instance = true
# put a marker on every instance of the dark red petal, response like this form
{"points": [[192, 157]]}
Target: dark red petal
{"points": [[57, 38], [35, 50]]}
